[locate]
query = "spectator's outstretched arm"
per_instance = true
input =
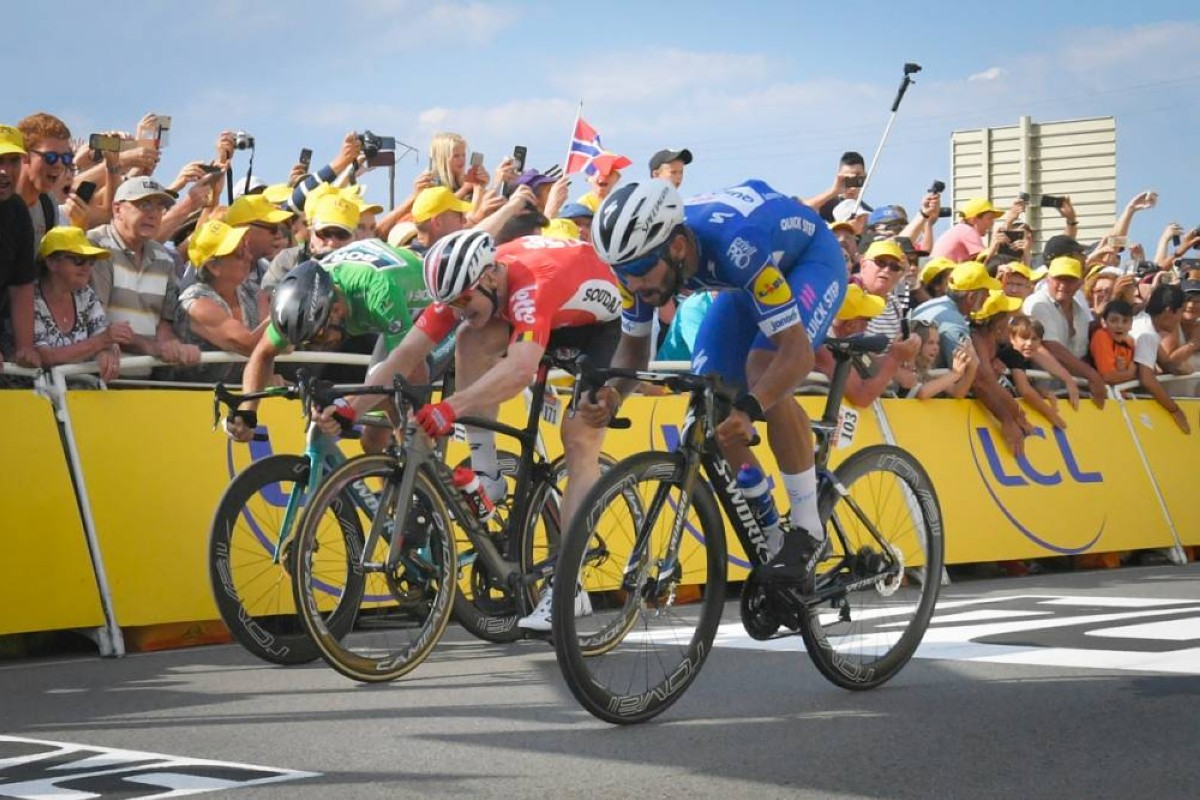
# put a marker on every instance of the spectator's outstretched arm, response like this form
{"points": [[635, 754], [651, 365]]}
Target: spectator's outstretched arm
{"points": [[919, 229], [1164, 254], [1140, 202], [167, 346], [1150, 383], [211, 323], [1070, 218], [835, 190], [1080, 368], [862, 392], [1035, 400], [1046, 360], [1013, 425], [522, 199], [957, 382]]}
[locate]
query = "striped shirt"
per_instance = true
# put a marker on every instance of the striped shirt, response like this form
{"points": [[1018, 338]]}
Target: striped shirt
{"points": [[140, 295]]}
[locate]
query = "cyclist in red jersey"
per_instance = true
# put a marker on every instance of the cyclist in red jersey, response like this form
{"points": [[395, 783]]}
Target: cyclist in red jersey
{"points": [[510, 305]]}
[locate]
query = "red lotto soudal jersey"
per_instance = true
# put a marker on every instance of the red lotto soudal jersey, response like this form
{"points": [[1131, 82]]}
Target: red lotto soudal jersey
{"points": [[552, 283]]}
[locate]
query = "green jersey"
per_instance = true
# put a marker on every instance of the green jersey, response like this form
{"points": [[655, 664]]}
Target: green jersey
{"points": [[383, 287]]}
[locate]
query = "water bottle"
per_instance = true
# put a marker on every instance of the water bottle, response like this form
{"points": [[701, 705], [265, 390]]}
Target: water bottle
{"points": [[472, 488], [757, 492]]}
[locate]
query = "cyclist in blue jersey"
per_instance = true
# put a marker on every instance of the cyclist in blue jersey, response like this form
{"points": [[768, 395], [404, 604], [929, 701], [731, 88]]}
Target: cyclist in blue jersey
{"points": [[781, 278]]}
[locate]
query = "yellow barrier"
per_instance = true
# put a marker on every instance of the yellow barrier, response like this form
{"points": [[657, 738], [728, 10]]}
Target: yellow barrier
{"points": [[155, 470], [46, 577]]}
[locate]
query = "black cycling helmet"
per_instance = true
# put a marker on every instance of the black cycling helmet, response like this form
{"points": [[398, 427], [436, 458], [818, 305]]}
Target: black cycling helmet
{"points": [[302, 302]]}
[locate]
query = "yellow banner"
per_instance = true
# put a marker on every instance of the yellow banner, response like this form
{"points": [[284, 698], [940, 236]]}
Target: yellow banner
{"points": [[46, 577], [1078, 490], [1174, 461]]}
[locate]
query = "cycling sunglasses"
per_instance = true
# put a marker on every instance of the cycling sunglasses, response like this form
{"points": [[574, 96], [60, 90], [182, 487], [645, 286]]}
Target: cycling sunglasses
{"points": [[640, 266], [337, 234], [52, 158]]}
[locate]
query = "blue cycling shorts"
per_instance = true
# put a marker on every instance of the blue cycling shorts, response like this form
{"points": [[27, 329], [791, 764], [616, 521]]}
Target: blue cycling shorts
{"points": [[730, 331]]}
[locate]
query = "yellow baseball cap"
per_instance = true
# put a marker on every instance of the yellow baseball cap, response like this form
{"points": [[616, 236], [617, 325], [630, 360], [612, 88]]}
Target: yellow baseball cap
{"points": [[971, 276], [69, 239], [1021, 268], [11, 141], [859, 304], [213, 239], [934, 267], [355, 194], [437, 200], [561, 229], [997, 303], [842, 226], [1065, 267], [332, 209], [255, 208], [979, 205], [885, 247], [277, 193]]}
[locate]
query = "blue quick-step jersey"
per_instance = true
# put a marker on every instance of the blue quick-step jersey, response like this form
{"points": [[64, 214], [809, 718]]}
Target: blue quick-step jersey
{"points": [[750, 236]]}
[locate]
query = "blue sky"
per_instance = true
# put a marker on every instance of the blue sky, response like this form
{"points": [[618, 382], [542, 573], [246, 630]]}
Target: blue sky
{"points": [[775, 90]]}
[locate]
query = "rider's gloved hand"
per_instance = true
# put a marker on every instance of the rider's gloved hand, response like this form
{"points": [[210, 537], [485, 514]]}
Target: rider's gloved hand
{"points": [[336, 418], [240, 425], [437, 419]]}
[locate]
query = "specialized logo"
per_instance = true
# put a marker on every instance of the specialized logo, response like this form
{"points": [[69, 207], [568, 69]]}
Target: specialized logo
{"points": [[740, 252], [1008, 489], [719, 217], [771, 288]]}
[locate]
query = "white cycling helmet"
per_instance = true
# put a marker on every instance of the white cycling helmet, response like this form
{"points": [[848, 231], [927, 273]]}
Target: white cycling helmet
{"points": [[634, 222], [455, 262]]}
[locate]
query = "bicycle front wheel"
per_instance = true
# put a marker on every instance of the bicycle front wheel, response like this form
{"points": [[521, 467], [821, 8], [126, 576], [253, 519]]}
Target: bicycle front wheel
{"points": [[888, 524], [402, 612], [636, 608], [249, 576]]}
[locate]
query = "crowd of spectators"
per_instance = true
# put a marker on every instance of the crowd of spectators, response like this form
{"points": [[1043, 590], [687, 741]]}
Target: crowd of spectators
{"points": [[99, 258]]}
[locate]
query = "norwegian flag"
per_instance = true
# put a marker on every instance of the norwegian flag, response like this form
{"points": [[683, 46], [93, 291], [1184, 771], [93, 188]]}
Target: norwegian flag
{"points": [[585, 145]]}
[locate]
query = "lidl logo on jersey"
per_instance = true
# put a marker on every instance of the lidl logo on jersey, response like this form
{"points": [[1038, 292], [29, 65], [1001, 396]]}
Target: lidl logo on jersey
{"points": [[626, 297], [740, 252], [771, 288]]}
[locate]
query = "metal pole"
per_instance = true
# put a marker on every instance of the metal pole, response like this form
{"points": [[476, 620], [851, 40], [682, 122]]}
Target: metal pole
{"points": [[909, 70]]}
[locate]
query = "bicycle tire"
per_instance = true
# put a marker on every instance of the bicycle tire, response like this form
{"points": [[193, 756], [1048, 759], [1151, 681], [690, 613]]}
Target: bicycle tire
{"points": [[252, 590], [400, 616], [881, 634], [638, 630]]}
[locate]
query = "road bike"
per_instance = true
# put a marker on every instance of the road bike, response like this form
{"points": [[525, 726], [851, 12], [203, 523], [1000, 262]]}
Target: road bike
{"points": [[649, 547]]}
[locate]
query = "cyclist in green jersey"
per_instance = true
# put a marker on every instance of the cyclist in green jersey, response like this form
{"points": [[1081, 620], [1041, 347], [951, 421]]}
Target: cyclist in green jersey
{"points": [[365, 287]]}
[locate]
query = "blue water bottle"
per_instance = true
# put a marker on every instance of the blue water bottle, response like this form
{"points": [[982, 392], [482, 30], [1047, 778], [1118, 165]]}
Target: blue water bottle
{"points": [[757, 492]]}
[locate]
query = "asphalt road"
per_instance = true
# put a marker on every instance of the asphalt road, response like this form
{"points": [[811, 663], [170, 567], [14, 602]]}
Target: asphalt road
{"points": [[1074, 685]]}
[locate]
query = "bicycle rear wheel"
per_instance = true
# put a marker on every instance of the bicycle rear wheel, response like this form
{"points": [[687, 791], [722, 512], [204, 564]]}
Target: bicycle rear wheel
{"points": [[403, 612], [251, 586], [653, 611], [889, 524]]}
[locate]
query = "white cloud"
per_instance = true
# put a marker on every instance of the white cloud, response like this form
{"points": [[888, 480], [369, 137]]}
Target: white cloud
{"points": [[650, 74], [987, 75], [453, 23]]}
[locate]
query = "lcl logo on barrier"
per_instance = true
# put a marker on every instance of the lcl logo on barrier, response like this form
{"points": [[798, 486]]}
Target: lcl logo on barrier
{"points": [[999, 481]]}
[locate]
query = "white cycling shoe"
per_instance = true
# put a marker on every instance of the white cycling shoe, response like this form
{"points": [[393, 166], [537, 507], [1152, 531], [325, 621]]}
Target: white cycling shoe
{"points": [[539, 620]]}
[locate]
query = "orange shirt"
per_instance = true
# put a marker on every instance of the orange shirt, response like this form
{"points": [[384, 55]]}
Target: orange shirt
{"points": [[1109, 355]]}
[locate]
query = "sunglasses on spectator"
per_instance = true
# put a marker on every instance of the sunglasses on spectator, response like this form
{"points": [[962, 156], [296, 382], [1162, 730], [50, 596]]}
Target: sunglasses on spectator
{"points": [[77, 260], [333, 233], [52, 158], [891, 265], [151, 204]]}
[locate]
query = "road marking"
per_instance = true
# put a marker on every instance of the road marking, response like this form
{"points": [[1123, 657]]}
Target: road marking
{"points": [[37, 769]]}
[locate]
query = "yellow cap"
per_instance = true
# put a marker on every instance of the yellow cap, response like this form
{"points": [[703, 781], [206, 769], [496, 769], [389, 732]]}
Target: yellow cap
{"points": [[562, 229], [1021, 268], [332, 209], [1065, 267], [437, 200], [934, 267], [979, 205], [842, 226], [255, 208], [69, 239], [970, 276], [213, 239], [884, 247], [859, 304], [997, 303], [11, 141], [277, 193]]}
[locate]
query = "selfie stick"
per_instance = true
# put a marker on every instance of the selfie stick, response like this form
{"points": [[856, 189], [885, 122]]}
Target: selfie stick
{"points": [[910, 69]]}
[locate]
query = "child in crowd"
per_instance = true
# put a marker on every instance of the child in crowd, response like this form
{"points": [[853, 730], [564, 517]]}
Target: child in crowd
{"points": [[1024, 342], [955, 382], [1112, 347]]}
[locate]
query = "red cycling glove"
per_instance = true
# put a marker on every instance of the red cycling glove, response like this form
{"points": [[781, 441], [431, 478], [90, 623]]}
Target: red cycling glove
{"points": [[437, 419]]}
